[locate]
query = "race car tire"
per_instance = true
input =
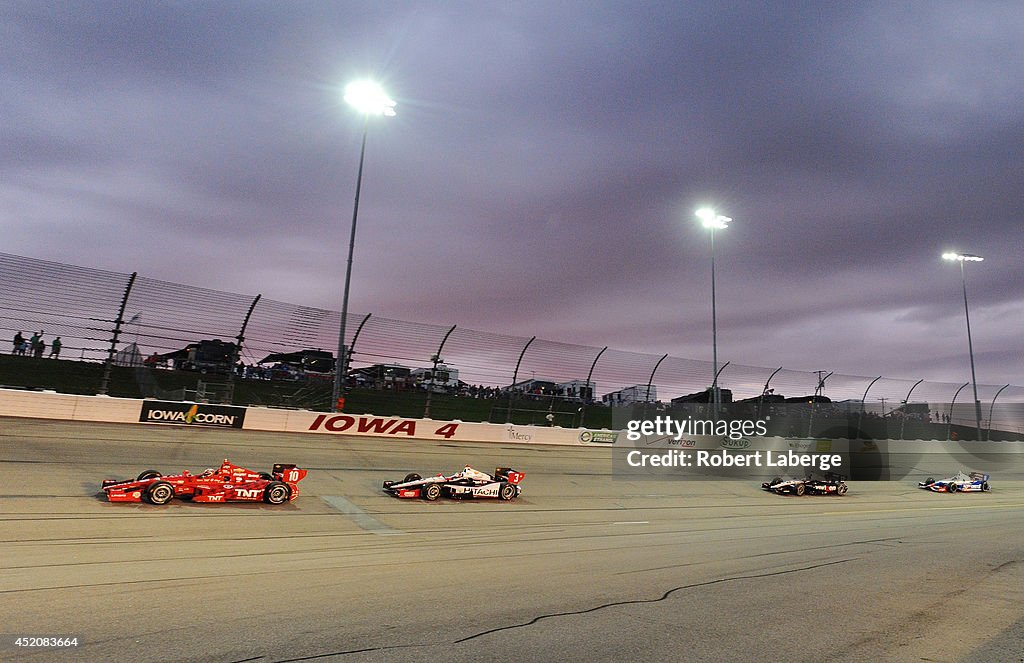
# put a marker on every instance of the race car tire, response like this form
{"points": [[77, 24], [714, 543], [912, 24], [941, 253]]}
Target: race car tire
{"points": [[985, 487], [929, 480], [951, 487], [799, 490], [276, 493], [841, 489], [160, 493], [147, 474], [507, 491], [431, 492], [412, 476], [266, 476], [775, 481]]}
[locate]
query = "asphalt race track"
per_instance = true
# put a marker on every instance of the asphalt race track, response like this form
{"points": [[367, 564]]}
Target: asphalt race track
{"points": [[580, 568]]}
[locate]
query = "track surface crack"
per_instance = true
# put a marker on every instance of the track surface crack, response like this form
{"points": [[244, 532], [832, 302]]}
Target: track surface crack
{"points": [[570, 613], [664, 596]]}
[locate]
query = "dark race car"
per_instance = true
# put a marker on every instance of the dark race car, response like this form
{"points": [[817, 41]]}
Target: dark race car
{"points": [[832, 484], [975, 482], [227, 483], [503, 485]]}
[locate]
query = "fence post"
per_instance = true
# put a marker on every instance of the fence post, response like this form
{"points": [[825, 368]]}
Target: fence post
{"points": [[433, 371], [764, 392], [814, 401], [105, 382], [515, 378], [903, 419], [236, 355], [344, 365], [715, 390], [352, 346], [949, 426], [988, 433], [650, 381], [583, 409], [863, 401]]}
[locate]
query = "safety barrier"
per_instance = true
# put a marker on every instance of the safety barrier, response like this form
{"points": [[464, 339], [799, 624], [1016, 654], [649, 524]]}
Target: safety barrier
{"points": [[68, 407], [896, 455]]}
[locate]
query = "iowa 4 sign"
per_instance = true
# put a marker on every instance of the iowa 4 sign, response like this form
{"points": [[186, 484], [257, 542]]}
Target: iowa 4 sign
{"points": [[346, 423]]}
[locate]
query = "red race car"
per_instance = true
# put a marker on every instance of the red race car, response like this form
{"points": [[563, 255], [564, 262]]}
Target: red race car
{"points": [[227, 483]]}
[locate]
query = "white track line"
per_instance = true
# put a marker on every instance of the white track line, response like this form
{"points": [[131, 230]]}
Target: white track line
{"points": [[359, 517]]}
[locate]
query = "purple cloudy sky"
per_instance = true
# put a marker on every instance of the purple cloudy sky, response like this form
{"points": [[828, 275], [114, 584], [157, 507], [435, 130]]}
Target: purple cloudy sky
{"points": [[541, 174]]}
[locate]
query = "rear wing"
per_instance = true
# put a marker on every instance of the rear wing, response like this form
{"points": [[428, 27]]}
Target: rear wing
{"points": [[288, 473], [509, 475], [979, 476]]}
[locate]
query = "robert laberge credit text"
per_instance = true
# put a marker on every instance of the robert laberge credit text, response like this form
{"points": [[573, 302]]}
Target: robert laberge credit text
{"points": [[704, 458]]}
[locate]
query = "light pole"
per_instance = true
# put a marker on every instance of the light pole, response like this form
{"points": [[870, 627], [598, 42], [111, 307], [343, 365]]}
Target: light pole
{"points": [[714, 221], [369, 99], [962, 258]]}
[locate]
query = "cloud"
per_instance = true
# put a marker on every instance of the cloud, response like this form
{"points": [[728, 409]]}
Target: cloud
{"points": [[542, 171]]}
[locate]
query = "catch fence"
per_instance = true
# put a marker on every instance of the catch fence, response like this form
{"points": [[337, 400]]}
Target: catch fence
{"points": [[100, 314]]}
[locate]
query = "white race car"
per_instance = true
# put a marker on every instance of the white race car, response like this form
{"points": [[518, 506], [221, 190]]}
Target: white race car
{"points": [[975, 482], [503, 485]]}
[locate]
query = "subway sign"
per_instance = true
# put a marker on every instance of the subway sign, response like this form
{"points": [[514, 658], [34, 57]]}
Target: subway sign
{"points": [[191, 414]]}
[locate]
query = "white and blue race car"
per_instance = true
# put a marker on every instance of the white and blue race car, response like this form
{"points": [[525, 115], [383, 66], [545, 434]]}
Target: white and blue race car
{"points": [[975, 482]]}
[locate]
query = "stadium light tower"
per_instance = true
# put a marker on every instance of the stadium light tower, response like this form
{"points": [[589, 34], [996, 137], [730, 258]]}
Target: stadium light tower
{"points": [[713, 221], [367, 98], [962, 258]]}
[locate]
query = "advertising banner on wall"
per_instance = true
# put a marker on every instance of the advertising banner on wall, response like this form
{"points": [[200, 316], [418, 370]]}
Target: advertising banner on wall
{"points": [[191, 414], [598, 436]]}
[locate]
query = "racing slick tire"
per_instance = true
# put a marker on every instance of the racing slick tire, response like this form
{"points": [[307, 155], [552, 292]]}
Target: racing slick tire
{"points": [[951, 487], [160, 493], [147, 474], [929, 480], [775, 481], [985, 487], [412, 476], [276, 493], [799, 490], [431, 492], [507, 491], [841, 489]]}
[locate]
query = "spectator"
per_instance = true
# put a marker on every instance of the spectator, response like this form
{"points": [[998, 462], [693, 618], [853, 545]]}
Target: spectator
{"points": [[36, 344], [55, 348], [19, 340]]}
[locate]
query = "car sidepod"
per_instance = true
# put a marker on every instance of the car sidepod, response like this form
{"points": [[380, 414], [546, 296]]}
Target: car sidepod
{"points": [[494, 489]]}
